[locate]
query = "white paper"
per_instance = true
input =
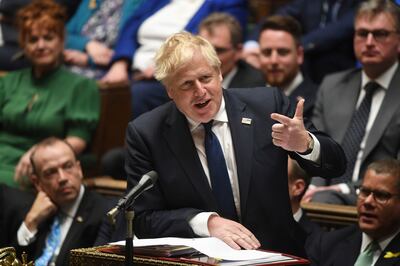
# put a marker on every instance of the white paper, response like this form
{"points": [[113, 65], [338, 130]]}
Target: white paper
{"points": [[210, 246]]}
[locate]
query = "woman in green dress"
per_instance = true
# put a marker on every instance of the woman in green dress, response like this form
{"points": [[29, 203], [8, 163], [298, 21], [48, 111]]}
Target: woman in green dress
{"points": [[46, 99]]}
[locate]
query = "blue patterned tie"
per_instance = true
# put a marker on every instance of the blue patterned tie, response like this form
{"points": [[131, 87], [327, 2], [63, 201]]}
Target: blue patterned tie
{"points": [[52, 243], [356, 130], [220, 182]]}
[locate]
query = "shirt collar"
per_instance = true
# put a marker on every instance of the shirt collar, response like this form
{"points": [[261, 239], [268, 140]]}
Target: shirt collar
{"points": [[228, 78], [294, 84], [297, 215], [383, 243], [384, 79], [220, 116]]}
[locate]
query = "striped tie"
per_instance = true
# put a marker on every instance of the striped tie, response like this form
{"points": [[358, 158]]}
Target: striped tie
{"points": [[356, 130]]}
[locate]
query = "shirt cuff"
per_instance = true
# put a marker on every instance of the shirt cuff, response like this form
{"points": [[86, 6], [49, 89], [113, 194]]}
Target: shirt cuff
{"points": [[199, 223], [24, 236], [250, 45], [344, 188], [315, 153]]}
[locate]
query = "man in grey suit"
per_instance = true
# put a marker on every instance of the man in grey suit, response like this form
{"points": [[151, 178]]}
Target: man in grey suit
{"points": [[376, 45]]}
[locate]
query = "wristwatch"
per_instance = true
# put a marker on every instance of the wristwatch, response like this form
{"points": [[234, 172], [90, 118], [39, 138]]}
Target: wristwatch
{"points": [[310, 147]]}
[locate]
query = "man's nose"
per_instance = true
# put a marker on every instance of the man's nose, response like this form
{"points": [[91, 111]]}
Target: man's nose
{"points": [[199, 88]]}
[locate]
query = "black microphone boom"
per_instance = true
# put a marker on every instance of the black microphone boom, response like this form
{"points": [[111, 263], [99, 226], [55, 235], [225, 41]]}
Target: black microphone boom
{"points": [[146, 182]]}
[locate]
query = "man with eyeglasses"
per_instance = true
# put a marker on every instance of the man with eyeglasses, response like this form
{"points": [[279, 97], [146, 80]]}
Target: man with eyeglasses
{"points": [[376, 239], [224, 32], [360, 108], [64, 215]]}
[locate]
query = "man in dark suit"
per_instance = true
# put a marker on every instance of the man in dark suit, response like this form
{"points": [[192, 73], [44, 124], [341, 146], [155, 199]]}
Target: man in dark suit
{"points": [[224, 32], [281, 56], [327, 35], [61, 200], [251, 187], [376, 44], [298, 181], [378, 207]]}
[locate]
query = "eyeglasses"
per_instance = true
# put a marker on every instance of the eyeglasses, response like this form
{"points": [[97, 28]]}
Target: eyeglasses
{"points": [[381, 197], [379, 35]]}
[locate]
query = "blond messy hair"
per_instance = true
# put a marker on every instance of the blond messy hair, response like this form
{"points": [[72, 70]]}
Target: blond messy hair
{"points": [[178, 51]]}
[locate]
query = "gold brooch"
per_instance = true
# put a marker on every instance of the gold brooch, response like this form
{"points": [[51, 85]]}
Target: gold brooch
{"points": [[390, 255]]}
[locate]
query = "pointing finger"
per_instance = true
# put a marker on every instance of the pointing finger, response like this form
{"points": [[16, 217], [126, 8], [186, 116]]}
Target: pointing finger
{"points": [[299, 109], [281, 118]]}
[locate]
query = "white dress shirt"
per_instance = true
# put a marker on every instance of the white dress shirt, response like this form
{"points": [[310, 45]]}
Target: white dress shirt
{"points": [[153, 32]]}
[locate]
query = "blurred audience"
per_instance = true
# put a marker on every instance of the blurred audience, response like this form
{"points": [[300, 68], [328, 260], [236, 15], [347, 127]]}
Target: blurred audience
{"points": [[11, 54], [92, 33], [46, 99], [224, 32], [376, 239], [327, 35], [64, 215], [281, 56], [143, 34], [359, 108]]}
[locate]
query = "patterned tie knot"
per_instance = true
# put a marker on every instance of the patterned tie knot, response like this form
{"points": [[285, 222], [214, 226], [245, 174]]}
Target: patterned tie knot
{"points": [[367, 255], [370, 88]]}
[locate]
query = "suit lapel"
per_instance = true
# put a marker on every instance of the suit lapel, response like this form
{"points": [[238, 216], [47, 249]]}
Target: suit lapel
{"points": [[393, 247], [242, 138], [75, 231], [176, 133], [389, 106], [350, 91], [350, 248]]}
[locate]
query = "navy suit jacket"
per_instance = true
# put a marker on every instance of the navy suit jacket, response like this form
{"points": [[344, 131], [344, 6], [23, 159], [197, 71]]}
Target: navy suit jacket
{"points": [[342, 247], [327, 49], [82, 233], [128, 42], [307, 90], [247, 77], [160, 140]]}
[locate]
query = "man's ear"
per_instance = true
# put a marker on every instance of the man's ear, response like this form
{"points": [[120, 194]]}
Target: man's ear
{"points": [[298, 187]]}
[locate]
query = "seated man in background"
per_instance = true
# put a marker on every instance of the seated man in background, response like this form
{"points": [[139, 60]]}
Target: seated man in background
{"points": [[298, 181], [327, 35], [64, 215], [281, 56], [376, 239], [224, 32], [359, 108]]}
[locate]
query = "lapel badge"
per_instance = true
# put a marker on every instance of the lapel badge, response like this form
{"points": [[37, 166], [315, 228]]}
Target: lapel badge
{"points": [[246, 121], [79, 219]]}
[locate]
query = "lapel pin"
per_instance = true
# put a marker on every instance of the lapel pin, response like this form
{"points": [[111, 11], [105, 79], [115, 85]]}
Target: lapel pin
{"points": [[79, 219], [246, 120]]}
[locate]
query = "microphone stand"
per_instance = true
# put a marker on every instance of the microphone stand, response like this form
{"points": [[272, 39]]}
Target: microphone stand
{"points": [[129, 215]]}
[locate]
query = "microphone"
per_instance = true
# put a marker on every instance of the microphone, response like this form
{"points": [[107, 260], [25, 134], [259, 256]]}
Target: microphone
{"points": [[146, 182]]}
